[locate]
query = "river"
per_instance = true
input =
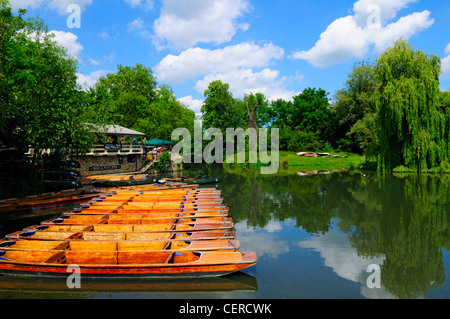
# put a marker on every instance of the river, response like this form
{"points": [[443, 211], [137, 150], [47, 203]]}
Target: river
{"points": [[317, 236]]}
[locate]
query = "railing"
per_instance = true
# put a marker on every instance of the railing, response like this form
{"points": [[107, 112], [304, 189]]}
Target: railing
{"points": [[126, 149]]}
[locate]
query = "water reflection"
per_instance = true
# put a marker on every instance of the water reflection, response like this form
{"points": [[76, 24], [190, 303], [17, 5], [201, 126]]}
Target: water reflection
{"points": [[18, 287], [399, 222], [316, 235]]}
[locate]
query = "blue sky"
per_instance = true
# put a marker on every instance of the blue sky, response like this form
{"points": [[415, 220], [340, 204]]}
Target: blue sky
{"points": [[278, 48]]}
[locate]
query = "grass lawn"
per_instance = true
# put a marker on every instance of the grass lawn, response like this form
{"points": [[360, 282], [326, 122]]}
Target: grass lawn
{"points": [[319, 163], [290, 164]]}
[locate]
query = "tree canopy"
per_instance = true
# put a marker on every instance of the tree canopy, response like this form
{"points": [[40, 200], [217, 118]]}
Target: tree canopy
{"points": [[411, 126], [39, 94], [132, 98]]}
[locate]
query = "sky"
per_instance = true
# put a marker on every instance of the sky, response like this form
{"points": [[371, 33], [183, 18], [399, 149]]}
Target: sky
{"points": [[278, 48]]}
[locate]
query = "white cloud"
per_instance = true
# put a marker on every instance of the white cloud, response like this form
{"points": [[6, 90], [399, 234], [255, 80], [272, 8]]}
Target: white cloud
{"points": [[147, 5], [243, 66], [87, 81], [338, 254], [184, 23], [263, 243], [104, 35], [25, 4], [61, 5], [387, 9], [246, 81], [446, 62], [69, 41], [353, 36], [193, 104], [138, 26], [196, 61], [93, 62]]}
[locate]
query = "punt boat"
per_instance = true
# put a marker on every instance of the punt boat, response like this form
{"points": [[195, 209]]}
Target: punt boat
{"points": [[118, 246], [32, 204], [132, 233], [127, 263]]}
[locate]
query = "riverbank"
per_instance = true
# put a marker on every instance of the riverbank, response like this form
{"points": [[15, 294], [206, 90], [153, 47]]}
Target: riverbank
{"points": [[345, 161], [290, 163]]}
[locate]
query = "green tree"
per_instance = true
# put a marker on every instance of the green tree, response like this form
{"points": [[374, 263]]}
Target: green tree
{"points": [[354, 111], [411, 127], [40, 97], [125, 95], [132, 98], [220, 110], [310, 110]]}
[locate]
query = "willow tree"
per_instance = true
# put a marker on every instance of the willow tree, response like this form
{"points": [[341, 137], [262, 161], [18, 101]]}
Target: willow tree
{"points": [[411, 126]]}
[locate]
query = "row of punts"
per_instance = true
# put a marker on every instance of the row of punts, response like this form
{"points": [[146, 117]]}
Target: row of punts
{"points": [[108, 181], [170, 230]]}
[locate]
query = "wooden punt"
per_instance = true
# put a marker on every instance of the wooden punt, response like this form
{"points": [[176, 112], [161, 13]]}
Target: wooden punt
{"points": [[112, 232], [123, 263], [64, 193], [118, 246], [163, 233], [143, 225], [156, 187], [140, 210], [137, 219], [118, 231], [37, 203], [154, 216]]}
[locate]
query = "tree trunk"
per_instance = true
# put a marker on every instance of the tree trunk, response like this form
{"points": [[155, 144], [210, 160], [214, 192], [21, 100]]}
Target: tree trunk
{"points": [[251, 116]]}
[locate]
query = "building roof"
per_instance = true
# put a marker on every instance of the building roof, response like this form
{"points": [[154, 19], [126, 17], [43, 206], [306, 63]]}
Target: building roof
{"points": [[115, 130]]}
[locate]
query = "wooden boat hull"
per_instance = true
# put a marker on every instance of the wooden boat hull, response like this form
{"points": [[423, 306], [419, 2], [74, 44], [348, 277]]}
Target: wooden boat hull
{"points": [[196, 264], [110, 184], [119, 246], [119, 232], [46, 203], [171, 233]]}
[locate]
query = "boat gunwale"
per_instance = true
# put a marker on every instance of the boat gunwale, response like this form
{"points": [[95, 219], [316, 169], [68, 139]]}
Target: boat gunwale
{"points": [[195, 263]]}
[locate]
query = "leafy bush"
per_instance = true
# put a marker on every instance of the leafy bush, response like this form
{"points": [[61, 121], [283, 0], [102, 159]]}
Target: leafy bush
{"points": [[164, 162], [304, 141]]}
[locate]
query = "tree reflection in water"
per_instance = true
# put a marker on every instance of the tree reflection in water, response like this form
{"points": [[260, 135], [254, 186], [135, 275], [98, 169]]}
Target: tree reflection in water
{"points": [[401, 218]]}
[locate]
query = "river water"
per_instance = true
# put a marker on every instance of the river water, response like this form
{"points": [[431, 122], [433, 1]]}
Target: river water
{"points": [[317, 236]]}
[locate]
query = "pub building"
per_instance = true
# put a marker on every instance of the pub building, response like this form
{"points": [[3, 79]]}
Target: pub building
{"points": [[119, 150]]}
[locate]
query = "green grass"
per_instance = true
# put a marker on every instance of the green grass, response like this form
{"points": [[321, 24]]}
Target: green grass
{"points": [[290, 164], [350, 161]]}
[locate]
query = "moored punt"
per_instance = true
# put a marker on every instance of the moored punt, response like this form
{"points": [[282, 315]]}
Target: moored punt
{"points": [[133, 232], [134, 220], [112, 232], [94, 211], [118, 246], [122, 183], [60, 194], [135, 264], [36, 203], [173, 215], [159, 187]]}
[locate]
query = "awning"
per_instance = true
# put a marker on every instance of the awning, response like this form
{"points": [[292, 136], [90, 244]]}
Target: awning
{"points": [[158, 142], [114, 130]]}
